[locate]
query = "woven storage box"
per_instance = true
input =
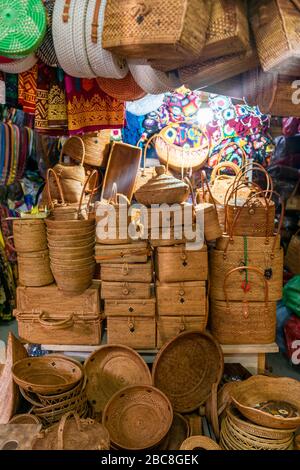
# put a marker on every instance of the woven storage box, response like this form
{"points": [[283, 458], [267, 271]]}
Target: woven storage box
{"points": [[97, 147], [228, 30], [115, 254], [292, 258], [134, 308], [176, 264], [125, 290], [243, 322], [29, 235], [53, 301], [155, 29], [277, 34], [139, 272], [155, 217], [42, 328], [169, 327], [273, 93], [136, 332], [181, 298], [269, 262], [34, 269]]}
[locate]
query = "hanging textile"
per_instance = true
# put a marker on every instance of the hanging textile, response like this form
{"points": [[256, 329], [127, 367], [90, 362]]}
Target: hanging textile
{"points": [[11, 85], [89, 108], [27, 89], [57, 108]]}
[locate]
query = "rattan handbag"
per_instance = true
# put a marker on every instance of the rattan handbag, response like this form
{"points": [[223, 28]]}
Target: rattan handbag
{"points": [[277, 35], [96, 147], [243, 322], [155, 29]]}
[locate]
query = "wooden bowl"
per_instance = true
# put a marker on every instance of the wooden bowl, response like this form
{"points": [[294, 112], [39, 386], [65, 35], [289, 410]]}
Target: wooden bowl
{"points": [[138, 417]]}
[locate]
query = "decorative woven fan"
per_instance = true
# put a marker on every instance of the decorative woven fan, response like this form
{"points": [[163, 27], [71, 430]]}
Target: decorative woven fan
{"points": [[22, 27]]}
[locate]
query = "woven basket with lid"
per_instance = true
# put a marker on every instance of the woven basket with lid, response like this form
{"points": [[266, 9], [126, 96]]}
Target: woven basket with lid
{"points": [[162, 188]]}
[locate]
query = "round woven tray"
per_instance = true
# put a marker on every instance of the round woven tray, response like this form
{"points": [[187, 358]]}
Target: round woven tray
{"points": [[186, 368], [138, 417], [179, 431], [111, 368], [199, 442], [47, 374], [20, 65], [25, 419]]}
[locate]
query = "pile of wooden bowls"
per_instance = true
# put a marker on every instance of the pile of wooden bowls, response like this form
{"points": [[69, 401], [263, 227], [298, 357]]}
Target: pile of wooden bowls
{"points": [[71, 246]]}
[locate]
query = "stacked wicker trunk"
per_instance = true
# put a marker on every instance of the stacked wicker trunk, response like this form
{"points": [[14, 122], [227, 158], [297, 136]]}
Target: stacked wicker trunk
{"points": [[127, 291]]}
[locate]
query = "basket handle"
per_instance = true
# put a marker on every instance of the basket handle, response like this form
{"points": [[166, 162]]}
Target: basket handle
{"points": [[204, 180], [29, 399], [56, 325], [50, 200], [61, 428], [79, 139], [242, 268], [214, 418], [140, 10], [296, 4], [217, 168], [93, 173], [222, 153], [66, 11], [8, 244], [257, 167], [95, 24]]}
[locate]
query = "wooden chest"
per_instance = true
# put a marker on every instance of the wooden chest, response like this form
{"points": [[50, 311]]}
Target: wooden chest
{"points": [[125, 308], [176, 264], [137, 272], [137, 252], [125, 290], [182, 298], [136, 332], [43, 328], [169, 327], [53, 301]]}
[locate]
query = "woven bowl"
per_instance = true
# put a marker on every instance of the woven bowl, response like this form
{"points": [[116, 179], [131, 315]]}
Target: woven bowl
{"points": [[24, 419], [47, 374], [260, 389], [69, 225], [199, 443], [125, 89], [138, 417], [66, 243], [186, 368], [69, 235]]}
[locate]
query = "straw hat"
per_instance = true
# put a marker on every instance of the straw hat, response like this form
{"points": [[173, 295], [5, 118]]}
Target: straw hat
{"points": [[145, 105], [103, 63], [150, 80], [125, 89], [20, 65]]}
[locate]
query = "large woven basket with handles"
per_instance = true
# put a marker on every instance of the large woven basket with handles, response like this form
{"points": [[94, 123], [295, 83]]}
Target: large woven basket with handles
{"points": [[155, 29]]}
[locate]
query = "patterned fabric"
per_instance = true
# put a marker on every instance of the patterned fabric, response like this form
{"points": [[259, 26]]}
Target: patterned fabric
{"points": [[11, 85], [57, 108], [28, 89], [89, 108], [46, 52], [184, 135]]}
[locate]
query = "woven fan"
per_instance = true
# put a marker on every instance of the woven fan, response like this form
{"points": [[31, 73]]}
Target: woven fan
{"points": [[22, 27]]}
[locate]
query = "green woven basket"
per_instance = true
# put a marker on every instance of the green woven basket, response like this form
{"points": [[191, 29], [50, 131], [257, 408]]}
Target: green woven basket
{"points": [[22, 27]]}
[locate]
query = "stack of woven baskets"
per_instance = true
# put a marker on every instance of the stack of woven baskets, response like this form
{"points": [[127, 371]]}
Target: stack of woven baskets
{"points": [[246, 267], [30, 242]]}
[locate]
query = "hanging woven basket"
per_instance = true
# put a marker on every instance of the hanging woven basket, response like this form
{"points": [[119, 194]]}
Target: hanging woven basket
{"points": [[103, 63], [22, 26], [150, 80], [125, 89], [20, 65], [46, 51]]}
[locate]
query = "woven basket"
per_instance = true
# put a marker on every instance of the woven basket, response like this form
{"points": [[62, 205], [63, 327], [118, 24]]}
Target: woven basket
{"points": [[199, 442], [102, 62], [243, 322], [292, 258], [25, 419], [19, 65], [46, 51], [29, 235], [96, 147], [209, 72], [70, 227], [150, 80], [125, 89], [73, 433], [277, 36], [186, 368], [79, 20], [47, 375], [138, 427], [135, 29], [23, 26], [34, 269], [273, 93], [228, 29], [178, 158], [261, 389], [74, 281]]}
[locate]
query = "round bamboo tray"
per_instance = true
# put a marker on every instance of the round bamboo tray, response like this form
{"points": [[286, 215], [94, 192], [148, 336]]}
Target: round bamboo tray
{"points": [[199, 443], [29, 235], [138, 417], [261, 389], [47, 374], [25, 419], [111, 368], [186, 368]]}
